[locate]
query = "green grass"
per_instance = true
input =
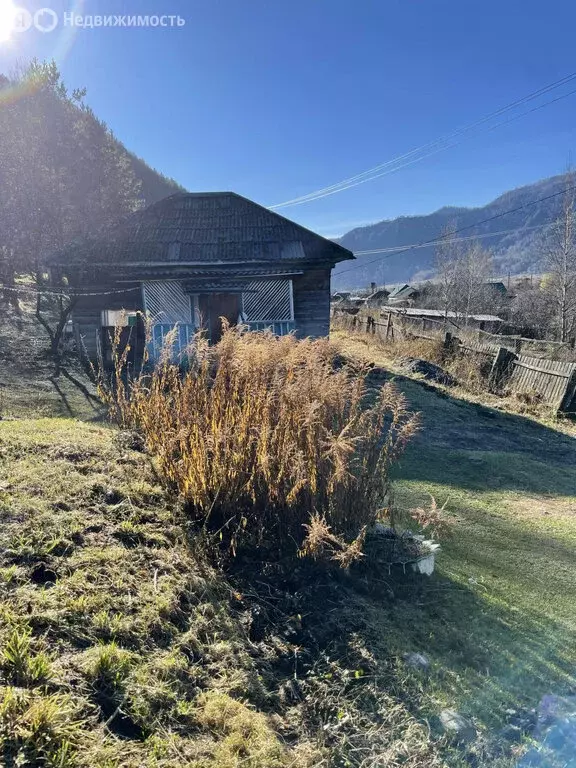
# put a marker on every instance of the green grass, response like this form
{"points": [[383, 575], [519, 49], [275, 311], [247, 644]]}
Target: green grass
{"points": [[130, 625], [501, 620], [122, 645]]}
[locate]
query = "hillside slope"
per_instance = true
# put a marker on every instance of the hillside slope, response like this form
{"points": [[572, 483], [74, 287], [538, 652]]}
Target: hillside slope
{"points": [[515, 252], [155, 186]]}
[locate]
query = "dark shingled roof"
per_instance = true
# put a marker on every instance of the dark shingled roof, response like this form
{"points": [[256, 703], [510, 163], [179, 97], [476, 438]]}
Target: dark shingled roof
{"points": [[204, 228]]}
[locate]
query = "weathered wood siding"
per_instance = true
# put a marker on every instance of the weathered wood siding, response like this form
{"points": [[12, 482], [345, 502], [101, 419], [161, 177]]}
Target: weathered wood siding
{"points": [[552, 380], [311, 300], [88, 312], [311, 293]]}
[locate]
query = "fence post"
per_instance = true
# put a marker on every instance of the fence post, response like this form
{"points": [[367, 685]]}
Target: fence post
{"points": [[502, 368], [569, 393], [388, 325], [450, 345]]}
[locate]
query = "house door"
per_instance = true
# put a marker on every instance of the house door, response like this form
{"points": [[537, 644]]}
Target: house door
{"points": [[215, 306]]}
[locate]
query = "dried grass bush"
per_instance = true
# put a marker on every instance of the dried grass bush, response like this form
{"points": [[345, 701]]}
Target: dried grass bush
{"points": [[269, 441], [471, 370]]}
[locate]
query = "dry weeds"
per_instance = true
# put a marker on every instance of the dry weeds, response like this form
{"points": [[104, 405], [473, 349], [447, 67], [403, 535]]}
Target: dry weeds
{"points": [[268, 440]]}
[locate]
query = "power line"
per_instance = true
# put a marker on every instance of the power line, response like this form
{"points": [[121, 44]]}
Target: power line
{"points": [[414, 246], [392, 165], [435, 241], [74, 294], [464, 129], [442, 149]]}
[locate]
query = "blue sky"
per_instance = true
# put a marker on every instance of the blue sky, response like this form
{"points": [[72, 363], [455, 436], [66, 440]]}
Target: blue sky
{"points": [[277, 98]]}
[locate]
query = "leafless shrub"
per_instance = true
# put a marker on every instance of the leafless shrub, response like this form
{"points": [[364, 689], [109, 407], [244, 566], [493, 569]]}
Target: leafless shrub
{"points": [[431, 520]]}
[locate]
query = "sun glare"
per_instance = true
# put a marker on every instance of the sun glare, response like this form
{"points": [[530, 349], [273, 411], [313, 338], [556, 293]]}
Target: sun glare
{"points": [[8, 12]]}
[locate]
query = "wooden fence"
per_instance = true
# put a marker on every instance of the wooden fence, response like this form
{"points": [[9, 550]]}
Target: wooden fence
{"points": [[517, 344], [554, 381], [429, 328], [535, 347], [551, 381]]}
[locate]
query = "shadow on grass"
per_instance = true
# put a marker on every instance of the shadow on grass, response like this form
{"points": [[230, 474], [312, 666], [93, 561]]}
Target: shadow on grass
{"points": [[484, 470], [476, 447], [485, 657], [448, 417], [346, 637]]}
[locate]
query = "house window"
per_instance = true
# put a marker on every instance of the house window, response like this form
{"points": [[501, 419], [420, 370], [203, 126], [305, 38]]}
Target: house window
{"points": [[268, 301], [118, 318], [166, 303]]}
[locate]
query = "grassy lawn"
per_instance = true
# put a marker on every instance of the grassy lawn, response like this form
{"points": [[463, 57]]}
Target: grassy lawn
{"points": [[499, 618], [117, 647], [122, 645]]}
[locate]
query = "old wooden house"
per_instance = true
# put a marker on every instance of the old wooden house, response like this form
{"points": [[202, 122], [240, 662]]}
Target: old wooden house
{"points": [[191, 260]]}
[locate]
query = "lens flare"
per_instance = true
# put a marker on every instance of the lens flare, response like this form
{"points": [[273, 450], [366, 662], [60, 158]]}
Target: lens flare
{"points": [[18, 23], [8, 12]]}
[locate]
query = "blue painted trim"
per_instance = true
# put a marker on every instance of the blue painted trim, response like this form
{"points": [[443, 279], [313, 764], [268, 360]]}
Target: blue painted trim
{"points": [[278, 327], [184, 337]]}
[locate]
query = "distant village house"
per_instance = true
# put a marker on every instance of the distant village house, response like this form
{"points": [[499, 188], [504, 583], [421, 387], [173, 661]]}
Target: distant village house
{"points": [[404, 295], [482, 322]]}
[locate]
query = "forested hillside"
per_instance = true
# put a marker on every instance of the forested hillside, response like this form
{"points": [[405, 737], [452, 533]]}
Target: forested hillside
{"points": [[63, 174], [515, 251], [154, 185]]}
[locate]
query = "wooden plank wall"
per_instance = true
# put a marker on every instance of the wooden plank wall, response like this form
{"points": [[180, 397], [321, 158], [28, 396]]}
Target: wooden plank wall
{"points": [[87, 315], [311, 293]]}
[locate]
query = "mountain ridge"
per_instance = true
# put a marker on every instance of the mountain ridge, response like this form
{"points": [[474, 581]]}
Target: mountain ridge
{"points": [[512, 237]]}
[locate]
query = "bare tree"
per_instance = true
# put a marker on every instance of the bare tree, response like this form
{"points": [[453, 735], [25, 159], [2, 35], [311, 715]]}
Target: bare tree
{"points": [[474, 269], [447, 257], [559, 251], [532, 310], [462, 271]]}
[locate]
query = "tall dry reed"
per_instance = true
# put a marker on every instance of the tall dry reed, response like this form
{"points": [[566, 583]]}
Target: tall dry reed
{"points": [[269, 440]]}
